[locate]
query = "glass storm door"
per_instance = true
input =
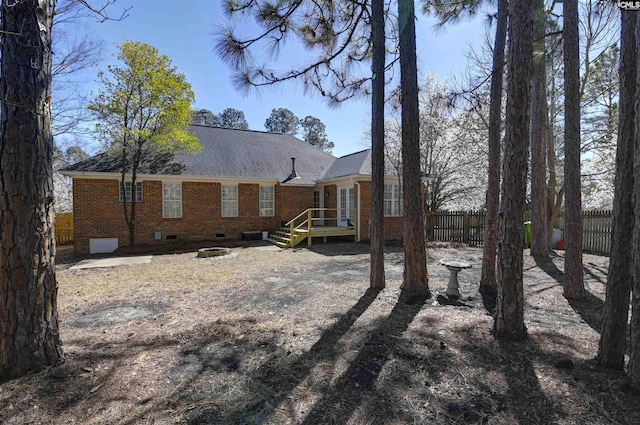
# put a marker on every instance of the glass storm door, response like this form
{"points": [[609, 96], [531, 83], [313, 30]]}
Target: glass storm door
{"points": [[318, 202], [345, 205]]}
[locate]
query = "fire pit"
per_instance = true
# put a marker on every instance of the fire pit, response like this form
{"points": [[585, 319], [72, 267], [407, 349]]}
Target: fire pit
{"points": [[213, 252]]}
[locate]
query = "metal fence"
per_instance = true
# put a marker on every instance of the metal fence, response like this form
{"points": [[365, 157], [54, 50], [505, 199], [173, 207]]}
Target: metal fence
{"points": [[468, 227]]}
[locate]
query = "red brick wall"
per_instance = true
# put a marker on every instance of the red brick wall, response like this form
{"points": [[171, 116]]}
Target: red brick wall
{"points": [[292, 200], [330, 201], [392, 225], [98, 212]]}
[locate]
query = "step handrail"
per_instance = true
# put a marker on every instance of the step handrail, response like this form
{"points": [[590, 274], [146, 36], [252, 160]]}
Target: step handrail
{"points": [[309, 210], [291, 224]]}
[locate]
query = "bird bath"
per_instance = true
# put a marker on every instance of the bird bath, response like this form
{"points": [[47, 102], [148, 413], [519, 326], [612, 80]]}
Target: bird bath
{"points": [[454, 266]]}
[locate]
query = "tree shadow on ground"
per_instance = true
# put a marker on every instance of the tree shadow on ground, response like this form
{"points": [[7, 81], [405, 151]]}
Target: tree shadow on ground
{"points": [[82, 379], [401, 373], [533, 406], [596, 272], [547, 265], [346, 394], [337, 247], [590, 307], [213, 350], [296, 369]]}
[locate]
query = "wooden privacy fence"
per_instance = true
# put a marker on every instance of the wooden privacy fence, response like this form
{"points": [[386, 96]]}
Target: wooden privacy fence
{"points": [[596, 230], [64, 228], [456, 226], [468, 227]]}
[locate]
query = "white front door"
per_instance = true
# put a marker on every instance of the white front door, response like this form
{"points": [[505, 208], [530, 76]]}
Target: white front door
{"points": [[345, 205]]}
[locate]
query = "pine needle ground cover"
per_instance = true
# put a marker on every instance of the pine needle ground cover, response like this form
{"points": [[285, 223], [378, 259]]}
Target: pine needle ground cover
{"points": [[265, 336]]}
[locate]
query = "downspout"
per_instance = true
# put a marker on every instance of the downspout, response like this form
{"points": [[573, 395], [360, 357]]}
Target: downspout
{"points": [[359, 211]]}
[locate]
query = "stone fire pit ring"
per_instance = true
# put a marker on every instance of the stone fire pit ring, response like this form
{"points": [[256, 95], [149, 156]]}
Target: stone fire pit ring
{"points": [[213, 252]]}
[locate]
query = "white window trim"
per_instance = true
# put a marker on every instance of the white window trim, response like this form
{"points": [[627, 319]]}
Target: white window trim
{"points": [[396, 200], [272, 200], [222, 201], [164, 201], [121, 196]]}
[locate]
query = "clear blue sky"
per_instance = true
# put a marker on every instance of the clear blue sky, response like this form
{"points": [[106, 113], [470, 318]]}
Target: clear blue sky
{"points": [[182, 30]]}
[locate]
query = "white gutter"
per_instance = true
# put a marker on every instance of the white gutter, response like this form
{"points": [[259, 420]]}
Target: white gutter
{"points": [[173, 178]]}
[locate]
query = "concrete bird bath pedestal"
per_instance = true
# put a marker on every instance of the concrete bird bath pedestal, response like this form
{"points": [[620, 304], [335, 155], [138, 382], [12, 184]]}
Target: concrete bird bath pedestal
{"points": [[454, 266]]}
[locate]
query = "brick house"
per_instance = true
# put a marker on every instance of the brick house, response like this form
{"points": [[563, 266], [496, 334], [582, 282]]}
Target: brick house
{"points": [[242, 181]]}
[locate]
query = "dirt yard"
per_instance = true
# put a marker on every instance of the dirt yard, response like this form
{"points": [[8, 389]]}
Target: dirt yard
{"points": [[265, 336]]}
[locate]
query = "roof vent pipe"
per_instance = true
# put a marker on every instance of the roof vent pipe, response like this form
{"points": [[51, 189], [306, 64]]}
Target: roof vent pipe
{"points": [[294, 174]]}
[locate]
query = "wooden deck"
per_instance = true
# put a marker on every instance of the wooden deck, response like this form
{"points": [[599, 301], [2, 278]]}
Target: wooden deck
{"points": [[302, 227], [285, 239], [325, 231]]}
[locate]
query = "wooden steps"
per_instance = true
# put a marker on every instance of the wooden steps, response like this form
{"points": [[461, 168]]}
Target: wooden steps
{"points": [[284, 239]]}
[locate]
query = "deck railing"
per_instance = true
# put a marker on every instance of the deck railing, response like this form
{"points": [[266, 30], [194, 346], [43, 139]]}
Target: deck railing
{"points": [[320, 218], [306, 219]]}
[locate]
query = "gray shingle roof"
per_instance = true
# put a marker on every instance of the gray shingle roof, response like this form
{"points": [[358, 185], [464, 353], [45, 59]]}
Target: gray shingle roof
{"points": [[232, 153], [358, 163]]}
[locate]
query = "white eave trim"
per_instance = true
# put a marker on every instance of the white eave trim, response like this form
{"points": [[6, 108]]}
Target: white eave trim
{"points": [[356, 177], [168, 178], [190, 178], [348, 178]]}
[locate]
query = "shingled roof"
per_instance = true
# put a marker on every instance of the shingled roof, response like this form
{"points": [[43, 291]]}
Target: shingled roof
{"points": [[358, 163], [229, 153]]}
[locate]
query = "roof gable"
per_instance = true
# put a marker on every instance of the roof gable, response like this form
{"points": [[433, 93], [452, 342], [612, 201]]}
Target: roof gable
{"points": [[358, 163]]}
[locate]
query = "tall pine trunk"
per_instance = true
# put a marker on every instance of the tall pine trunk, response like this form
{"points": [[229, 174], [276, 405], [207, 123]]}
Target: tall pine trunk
{"points": [[634, 357], [613, 338], [539, 132], [29, 338], [573, 273], [554, 198], [415, 260], [377, 278], [488, 283], [509, 321]]}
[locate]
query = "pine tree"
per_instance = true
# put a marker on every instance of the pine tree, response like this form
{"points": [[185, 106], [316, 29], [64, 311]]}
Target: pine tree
{"points": [[611, 350], [416, 283], [377, 278], [539, 134], [509, 321], [573, 280], [29, 338]]}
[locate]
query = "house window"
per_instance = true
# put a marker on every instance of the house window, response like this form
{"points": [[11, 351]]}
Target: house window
{"points": [[172, 200], [393, 199], [266, 201], [127, 190], [229, 201]]}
